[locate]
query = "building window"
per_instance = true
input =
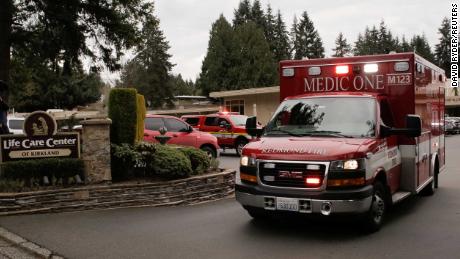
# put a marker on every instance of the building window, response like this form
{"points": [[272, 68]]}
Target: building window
{"points": [[235, 106]]}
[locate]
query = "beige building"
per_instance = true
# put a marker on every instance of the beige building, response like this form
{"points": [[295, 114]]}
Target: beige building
{"points": [[260, 102]]}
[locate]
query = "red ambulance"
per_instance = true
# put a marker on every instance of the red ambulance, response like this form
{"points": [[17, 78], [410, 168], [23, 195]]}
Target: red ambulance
{"points": [[352, 135]]}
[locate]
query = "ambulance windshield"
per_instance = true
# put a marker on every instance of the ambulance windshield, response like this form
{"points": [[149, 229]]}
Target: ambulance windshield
{"points": [[324, 116]]}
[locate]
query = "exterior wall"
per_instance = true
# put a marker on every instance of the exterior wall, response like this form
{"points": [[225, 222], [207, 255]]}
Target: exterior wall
{"points": [[265, 105]]}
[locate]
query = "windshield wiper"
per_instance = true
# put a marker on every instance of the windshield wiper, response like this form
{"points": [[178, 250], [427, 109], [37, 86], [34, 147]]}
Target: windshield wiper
{"points": [[330, 133], [287, 132]]}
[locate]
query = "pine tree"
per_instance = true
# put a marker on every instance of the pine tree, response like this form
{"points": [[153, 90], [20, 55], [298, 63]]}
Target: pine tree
{"points": [[255, 66], [257, 15], [420, 45], [359, 48], [221, 57], [405, 46], [149, 71], [306, 40], [281, 48], [270, 29], [386, 43], [243, 14], [442, 49], [342, 48]]}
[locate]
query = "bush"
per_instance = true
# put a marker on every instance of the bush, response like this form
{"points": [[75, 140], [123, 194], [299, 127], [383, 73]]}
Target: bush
{"points": [[33, 171], [11, 185], [122, 111], [170, 163], [198, 158], [141, 110]]}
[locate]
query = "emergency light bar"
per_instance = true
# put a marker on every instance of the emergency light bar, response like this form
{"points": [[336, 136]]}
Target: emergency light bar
{"points": [[314, 71], [371, 68], [401, 66], [340, 70], [288, 72]]}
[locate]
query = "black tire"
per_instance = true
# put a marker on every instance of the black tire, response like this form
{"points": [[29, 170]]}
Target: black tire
{"points": [[257, 213], [429, 189], [211, 152], [239, 144], [373, 219]]}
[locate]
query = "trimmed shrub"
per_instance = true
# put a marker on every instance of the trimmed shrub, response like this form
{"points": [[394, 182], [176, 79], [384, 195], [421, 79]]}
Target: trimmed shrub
{"points": [[122, 112], [141, 110], [170, 163], [32, 171], [198, 158]]}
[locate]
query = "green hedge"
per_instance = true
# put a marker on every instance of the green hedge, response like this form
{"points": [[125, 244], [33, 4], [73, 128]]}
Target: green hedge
{"points": [[198, 158], [158, 160], [33, 171], [170, 163], [123, 113]]}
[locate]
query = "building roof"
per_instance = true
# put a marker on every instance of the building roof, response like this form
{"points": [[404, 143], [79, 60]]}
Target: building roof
{"points": [[186, 111], [244, 92]]}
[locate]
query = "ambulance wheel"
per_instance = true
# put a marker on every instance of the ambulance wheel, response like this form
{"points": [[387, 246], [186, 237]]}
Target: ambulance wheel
{"points": [[428, 190], [373, 219], [240, 143]]}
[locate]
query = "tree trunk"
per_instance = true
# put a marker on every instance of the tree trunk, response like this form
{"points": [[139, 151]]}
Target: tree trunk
{"points": [[6, 21]]}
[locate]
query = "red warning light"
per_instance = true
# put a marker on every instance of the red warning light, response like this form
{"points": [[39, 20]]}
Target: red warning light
{"points": [[340, 70]]}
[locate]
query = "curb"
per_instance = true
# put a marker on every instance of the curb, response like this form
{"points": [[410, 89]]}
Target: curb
{"points": [[27, 246]]}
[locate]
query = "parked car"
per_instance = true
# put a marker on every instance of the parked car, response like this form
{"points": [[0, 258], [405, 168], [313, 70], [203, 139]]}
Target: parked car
{"points": [[452, 125], [228, 127], [15, 124], [180, 132]]}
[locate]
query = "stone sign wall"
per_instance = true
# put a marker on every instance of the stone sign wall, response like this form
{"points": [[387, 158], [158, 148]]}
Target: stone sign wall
{"points": [[96, 150]]}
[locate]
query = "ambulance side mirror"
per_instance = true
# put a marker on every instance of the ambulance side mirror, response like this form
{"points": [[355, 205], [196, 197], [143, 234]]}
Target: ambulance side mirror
{"points": [[414, 125], [413, 128], [251, 127]]}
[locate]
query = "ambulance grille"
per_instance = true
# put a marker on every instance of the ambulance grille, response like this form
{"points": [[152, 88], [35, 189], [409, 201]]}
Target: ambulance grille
{"points": [[281, 174]]}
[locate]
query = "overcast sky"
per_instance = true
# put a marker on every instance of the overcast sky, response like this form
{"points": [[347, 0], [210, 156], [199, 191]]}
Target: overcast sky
{"points": [[186, 23]]}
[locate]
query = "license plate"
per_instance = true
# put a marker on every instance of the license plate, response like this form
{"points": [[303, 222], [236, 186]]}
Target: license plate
{"points": [[288, 204]]}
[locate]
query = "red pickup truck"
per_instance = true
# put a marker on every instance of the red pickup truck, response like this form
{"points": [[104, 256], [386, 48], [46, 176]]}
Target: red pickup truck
{"points": [[228, 127]]}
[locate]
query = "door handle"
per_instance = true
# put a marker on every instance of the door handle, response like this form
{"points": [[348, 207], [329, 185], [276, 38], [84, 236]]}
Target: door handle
{"points": [[175, 135], [146, 135]]}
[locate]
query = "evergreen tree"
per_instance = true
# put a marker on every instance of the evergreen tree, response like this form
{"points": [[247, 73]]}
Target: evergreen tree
{"points": [[404, 45], [442, 49], [307, 42], [243, 14], [255, 66], [420, 45], [270, 29], [386, 41], [359, 48], [216, 70], [149, 71], [67, 32], [280, 48], [181, 86], [342, 48], [257, 15]]}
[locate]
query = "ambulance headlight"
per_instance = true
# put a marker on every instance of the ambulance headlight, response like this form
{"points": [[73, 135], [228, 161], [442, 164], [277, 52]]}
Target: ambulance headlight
{"points": [[351, 164], [247, 161]]}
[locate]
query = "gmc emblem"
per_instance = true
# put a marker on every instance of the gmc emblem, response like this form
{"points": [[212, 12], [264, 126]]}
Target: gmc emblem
{"points": [[290, 175]]}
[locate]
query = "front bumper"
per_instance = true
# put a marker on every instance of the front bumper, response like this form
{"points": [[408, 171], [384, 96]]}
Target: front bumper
{"points": [[325, 202]]}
